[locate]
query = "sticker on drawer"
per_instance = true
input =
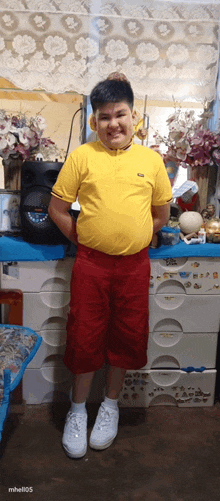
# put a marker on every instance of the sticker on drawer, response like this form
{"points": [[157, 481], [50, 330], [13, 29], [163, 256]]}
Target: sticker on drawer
{"points": [[170, 387], [11, 270], [169, 301], [193, 276]]}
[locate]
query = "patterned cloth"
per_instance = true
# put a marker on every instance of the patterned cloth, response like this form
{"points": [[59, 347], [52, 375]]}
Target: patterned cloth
{"points": [[165, 48], [18, 345]]}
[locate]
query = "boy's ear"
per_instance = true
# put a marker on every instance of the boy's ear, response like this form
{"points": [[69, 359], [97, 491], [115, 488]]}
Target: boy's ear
{"points": [[92, 122], [133, 117], [136, 117]]}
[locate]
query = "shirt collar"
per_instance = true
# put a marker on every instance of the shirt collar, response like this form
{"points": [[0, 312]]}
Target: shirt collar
{"points": [[129, 145]]}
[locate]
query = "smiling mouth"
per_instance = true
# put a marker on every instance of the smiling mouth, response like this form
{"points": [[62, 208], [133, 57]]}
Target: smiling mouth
{"points": [[114, 134]]}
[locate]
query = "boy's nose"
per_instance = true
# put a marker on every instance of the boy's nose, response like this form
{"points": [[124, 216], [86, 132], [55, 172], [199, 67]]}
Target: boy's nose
{"points": [[113, 122]]}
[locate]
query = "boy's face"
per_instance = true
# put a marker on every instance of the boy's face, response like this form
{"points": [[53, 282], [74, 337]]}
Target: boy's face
{"points": [[113, 123]]}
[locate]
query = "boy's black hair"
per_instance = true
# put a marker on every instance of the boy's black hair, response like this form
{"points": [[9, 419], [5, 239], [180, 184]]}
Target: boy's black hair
{"points": [[111, 91]]}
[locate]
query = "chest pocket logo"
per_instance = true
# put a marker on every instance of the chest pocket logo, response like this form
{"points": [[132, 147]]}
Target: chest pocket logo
{"points": [[140, 175]]}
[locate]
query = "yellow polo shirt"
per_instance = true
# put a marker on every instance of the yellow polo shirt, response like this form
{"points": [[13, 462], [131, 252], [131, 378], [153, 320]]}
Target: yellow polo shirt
{"points": [[115, 189]]}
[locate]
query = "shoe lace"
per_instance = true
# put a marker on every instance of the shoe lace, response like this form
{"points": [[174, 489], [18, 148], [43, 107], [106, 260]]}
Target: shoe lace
{"points": [[104, 417], [75, 421]]}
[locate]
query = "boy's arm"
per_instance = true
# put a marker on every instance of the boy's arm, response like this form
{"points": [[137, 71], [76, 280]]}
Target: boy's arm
{"points": [[58, 210], [160, 215]]}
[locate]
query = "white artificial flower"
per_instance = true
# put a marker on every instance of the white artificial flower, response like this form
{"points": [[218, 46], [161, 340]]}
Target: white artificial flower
{"points": [[4, 126], [34, 140], [11, 139], [39, 122], [24, 135], [3, 142]]}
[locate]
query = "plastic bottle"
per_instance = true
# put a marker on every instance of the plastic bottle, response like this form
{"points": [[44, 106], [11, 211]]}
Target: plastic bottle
{"points": [[202, 235]]}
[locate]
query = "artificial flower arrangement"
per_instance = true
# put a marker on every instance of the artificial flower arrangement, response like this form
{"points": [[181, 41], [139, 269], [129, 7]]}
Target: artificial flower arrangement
{"points": [[21, 137], [189, 142]]}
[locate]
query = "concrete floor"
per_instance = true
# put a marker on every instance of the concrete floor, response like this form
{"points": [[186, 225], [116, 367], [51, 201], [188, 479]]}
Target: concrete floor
{"points": [[160, 454]]}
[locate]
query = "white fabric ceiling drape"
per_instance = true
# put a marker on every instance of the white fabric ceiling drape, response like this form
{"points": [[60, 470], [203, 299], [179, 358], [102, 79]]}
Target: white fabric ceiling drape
{"points": [[168, 49]]}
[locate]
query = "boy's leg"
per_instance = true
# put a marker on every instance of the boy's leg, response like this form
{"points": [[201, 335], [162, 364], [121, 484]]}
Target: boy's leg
{"points": [[75, 430], [87, 325], [106, 424], [115, 378], [127, 340], [81, 387]]}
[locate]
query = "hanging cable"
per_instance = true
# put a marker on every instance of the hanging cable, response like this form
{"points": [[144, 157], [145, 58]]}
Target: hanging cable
{"points": [[71, 128]]}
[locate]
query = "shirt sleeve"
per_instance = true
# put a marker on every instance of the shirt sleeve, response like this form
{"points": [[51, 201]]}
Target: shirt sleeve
{"points": [[162, 192], [68, 180]]}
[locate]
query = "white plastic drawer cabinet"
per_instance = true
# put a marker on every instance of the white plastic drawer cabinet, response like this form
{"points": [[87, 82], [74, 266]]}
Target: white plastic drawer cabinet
{"points": [[178, 350], [40, 276], [50, 383], [185, 275], [43, 308], [53, 381], [166, 387], [193, 313], [53, 343]]}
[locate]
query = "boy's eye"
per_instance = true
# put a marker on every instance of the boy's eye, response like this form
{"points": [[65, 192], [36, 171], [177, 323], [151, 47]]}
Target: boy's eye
{"points": [[105, 118]]}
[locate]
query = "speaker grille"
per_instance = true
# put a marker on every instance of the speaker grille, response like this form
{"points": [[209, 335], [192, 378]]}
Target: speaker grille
{"points": [[36, 224]]}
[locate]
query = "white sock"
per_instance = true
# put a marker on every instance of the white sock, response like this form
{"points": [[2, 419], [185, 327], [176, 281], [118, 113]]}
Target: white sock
{"points": [[111, 402], [79, 408]]}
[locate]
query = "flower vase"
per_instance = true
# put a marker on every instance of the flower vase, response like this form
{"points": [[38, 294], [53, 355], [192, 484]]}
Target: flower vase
{"points": [[12, 173], [201, 176], [172, 171]]}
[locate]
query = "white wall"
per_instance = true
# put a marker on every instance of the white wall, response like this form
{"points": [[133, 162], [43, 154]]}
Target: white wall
{"points": [[58, 117]]}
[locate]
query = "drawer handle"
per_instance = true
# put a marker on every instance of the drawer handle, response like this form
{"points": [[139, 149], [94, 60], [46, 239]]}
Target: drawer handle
{"points": [[193, 369]]}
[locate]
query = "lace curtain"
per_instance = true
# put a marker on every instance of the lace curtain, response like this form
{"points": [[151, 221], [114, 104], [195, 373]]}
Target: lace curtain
{"points": [[167, 49]]}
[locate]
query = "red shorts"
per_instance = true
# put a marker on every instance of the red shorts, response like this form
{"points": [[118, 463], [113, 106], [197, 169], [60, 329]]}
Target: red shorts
{"points": [[108, 317]]}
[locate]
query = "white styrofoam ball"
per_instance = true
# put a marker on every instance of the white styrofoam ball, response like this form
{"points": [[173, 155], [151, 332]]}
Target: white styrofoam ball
{"points": [[190, 222]]}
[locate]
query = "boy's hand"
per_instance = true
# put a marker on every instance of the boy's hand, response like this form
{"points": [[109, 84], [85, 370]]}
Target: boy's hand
{"points": [[141, 133]]}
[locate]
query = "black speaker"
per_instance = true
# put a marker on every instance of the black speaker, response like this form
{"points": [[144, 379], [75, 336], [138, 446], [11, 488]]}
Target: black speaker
{"points": [[37, 179], [39, 173]]}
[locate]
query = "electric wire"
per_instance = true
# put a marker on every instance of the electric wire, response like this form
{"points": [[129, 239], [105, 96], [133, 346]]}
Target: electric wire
{"points": [[71, 128]]}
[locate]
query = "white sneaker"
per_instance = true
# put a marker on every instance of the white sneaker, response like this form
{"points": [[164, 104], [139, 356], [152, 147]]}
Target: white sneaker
{"points": [[105, 428], [74, 439]]}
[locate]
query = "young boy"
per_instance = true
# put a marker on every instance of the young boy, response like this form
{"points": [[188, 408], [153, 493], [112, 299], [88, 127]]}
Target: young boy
{"points": [[125, 194]]}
